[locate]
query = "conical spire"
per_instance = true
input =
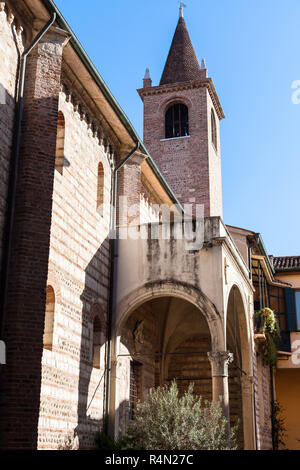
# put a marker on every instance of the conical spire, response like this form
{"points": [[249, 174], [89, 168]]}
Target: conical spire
{"points": [[182, 64]]}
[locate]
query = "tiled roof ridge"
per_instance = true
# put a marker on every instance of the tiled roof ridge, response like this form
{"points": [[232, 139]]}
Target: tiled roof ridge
{"points": [[286, 263]]}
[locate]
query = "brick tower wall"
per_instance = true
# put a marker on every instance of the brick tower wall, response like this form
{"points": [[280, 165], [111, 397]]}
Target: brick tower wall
{"points": [[190, 164]]}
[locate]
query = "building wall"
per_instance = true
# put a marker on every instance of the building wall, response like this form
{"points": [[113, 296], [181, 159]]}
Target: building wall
{"points": [[239, 237], [11, 45], [190, 164], [262, 392], [79, 275], [214, 159], [287, 379], [72, 395], [291, 278], [287, 394]]}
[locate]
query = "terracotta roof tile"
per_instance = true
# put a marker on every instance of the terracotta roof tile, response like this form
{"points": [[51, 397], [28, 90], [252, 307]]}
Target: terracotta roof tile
{"points": [[182, 64], [286, 263]]}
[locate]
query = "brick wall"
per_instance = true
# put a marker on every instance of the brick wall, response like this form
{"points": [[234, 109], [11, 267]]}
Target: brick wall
{"points": [[11, 45], [71, 404], [262, 402], [21, 379], [190, 164], [72, 394]]}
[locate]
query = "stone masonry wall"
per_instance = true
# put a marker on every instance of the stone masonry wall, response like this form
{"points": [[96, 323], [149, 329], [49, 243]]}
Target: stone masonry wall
{"points": [[72, 394], [72, 389], [262, 393]]}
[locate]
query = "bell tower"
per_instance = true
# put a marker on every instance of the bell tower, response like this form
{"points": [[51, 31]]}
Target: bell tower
{"points": [[182, 125]]}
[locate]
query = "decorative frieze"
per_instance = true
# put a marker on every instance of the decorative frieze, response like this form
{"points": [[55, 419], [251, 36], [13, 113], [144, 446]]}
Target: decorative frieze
{"points": [[93, 124]]}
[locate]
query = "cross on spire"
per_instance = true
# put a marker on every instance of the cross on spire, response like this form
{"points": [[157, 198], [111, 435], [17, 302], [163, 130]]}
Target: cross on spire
{"points": [[182, 6]]}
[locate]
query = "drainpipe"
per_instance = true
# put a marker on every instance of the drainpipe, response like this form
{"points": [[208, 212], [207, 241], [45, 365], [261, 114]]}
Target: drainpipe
{"points": [[12, 185], [112, 284]]}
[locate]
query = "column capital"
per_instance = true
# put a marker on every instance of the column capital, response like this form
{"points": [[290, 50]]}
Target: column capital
{"points": [[219, 362]]}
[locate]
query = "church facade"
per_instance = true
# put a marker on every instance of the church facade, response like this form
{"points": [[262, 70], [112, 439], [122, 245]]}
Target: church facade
{"points": [[118, 272]]}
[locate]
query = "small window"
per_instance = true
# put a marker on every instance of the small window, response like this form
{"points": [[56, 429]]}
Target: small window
{"points": [[214, 130], [177, 121], [96, 342], [60, 143], [135, 392], [49, 318], [100, 189]]}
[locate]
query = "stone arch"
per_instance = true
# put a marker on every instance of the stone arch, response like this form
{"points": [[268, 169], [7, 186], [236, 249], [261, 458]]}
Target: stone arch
{"points": [[184, 291], [165, 104], [150, 307], [244, 323], [238, 341]]}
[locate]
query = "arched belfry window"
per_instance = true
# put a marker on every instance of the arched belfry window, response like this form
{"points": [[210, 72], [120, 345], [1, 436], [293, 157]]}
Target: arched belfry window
{"points": [[214, 130], [177, 121]]}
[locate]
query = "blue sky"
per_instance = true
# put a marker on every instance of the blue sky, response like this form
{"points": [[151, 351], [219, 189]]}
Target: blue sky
{"points": [[252, 54]]}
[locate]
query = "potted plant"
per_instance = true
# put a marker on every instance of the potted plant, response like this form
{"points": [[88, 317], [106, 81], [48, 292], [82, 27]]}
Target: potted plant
{"points": [[267, 331]]}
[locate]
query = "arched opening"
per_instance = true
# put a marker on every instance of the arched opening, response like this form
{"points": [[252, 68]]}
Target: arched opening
{"points": [[100, 189], [163, 339], [177, 121], [97, 337], [60, 143], [240, 376], [49, 318], [214, 137]]}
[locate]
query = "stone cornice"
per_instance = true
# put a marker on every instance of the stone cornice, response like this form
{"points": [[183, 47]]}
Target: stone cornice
{"points": [[78, 95], [173, 87]]}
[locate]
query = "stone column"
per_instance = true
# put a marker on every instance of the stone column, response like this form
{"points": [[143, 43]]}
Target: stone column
{"points": [[219, 365], [20, 384]]}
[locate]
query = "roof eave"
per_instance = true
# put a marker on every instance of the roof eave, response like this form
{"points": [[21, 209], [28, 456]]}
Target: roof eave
{"points": [[51, 7]]}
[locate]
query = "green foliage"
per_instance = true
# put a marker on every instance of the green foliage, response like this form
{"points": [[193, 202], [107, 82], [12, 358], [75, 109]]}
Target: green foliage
{"points": [[104, 442], [266, 322], [164, 421], [278, 424]]}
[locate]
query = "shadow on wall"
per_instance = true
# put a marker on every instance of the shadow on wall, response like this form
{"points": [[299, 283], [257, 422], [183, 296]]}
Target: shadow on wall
{"points": [[92, 369]]}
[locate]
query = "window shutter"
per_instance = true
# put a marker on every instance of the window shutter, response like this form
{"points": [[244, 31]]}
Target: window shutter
{"points": [[290, 309]]}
